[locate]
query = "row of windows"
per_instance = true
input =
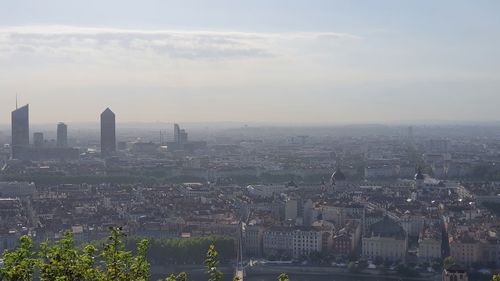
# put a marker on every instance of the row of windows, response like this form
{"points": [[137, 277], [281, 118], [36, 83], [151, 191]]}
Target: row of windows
{"points": [[390, 254], [305, 244]]}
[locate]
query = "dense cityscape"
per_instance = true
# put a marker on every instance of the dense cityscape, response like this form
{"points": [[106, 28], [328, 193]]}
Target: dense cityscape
{"points": [[381, 199], [258, 140]]}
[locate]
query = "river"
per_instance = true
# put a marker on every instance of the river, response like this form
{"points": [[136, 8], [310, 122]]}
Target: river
{"points": [[301, 277], [297, 277], [271, 273]]}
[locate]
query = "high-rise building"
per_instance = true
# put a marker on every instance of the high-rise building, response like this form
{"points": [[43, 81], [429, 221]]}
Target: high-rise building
{"points": [[108, 132], [38, 139], [62, 135], [180, 135], [177, 131], [183, 137], [20, 129]]}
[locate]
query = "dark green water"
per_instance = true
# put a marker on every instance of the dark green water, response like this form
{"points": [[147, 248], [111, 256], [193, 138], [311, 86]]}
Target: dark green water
{"points": [[296, 277], [198, 274], [300, 277]]}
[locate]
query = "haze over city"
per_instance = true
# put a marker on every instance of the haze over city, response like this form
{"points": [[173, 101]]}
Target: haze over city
{"points": [[294, 62], [258, 140]]}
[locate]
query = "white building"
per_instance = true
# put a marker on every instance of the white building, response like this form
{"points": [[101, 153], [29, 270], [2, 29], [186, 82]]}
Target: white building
{"points": [[296, 242], [306, 241]]}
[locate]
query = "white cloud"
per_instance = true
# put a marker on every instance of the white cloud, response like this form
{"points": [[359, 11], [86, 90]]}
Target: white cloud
{"points": [[74, 43]]}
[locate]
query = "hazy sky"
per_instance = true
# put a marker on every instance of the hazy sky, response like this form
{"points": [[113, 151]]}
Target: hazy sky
{"points": [[256, 60]]}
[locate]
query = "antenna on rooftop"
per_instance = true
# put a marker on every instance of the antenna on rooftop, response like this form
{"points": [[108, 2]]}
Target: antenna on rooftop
{"points": [[16, 101]]}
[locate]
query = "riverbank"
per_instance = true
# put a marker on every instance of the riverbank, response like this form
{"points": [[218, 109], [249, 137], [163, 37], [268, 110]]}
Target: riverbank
{"points": [[332, 271], [292, 270]]}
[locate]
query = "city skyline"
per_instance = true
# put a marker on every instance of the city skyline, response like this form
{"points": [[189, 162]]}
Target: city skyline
{"points": [[93, 121], [307, 63], [324, 139]]}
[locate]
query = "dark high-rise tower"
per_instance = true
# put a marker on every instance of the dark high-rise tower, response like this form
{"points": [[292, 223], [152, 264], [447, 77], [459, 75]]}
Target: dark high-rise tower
{"points": [[177, 131], [180, 135], [20, 129], [62, 135], [108, 132]]}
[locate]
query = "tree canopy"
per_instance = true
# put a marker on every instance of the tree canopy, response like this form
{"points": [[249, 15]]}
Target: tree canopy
{"points": [[63, 261]]}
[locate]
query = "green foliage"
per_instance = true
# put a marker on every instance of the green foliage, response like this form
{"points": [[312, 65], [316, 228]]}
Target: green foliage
{"points": [[352, 267], [19, 265], [448, 261], [121, 265], [496, 277], [211, 262], [62, 261], [283, 277], [318, 257], [406, 271], [180, 277], [169, 251], [362, 265]]}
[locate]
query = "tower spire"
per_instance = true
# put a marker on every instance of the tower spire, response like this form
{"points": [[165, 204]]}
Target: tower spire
{"points": [[16, 101]]}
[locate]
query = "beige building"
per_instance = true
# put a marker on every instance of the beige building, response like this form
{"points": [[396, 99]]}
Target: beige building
{"points": [[455, 273], [387, 240], [429, 244], [429, 249], [465, 250], [475, 243]]}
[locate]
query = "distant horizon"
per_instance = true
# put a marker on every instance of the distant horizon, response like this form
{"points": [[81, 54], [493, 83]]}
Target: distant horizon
{"points": [[401, 122], [242, 124], [435, 122]]}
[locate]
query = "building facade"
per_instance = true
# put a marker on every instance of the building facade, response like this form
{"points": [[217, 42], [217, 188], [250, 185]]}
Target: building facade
{"points": [[455, 273], [20, 129], [387, 240], [295, 242], [108, 132], [62, 135]]}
